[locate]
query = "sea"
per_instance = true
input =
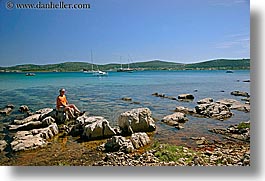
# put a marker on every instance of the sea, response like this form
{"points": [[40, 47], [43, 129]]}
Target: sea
{"points": [[102, 96]]}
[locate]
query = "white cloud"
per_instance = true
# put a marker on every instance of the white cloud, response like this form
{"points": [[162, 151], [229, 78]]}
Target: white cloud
{"points": [[235, 41], [228, 2]]}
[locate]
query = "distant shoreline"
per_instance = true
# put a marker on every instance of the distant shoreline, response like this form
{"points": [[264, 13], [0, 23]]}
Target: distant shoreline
{"points": [[15, 71], [218, 64]]}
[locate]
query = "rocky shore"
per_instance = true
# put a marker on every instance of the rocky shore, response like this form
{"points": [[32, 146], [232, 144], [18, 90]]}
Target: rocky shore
{"points": [[130, 143], [217, 154]]}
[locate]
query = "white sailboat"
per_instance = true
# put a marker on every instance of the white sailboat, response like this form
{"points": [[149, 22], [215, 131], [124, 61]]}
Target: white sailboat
{"points": [[95, 72], [128, 69]]}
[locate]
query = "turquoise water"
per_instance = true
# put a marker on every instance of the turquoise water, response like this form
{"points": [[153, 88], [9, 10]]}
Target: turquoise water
{"points": [[102, 95]]}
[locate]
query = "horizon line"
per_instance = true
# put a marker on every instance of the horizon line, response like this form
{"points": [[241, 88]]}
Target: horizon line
{"points": [[129, 63]]}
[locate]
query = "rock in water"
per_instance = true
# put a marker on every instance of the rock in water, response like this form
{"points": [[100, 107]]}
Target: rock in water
{"points": [[175, 119], [240, 132], [23, 108], [7, 110], [98, 128], [234, 104], [186, 96], [136, 120], [185, 110], [240, 93], [126, 99], [214, 110], [205, 101]]}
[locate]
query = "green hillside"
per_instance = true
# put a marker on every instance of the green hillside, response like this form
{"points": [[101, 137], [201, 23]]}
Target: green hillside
{"points": [[156, 64], [222, 64], [67, 66], [150, 65]]}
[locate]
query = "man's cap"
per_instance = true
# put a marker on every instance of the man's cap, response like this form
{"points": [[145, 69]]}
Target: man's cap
{"points": [[62, 90]]}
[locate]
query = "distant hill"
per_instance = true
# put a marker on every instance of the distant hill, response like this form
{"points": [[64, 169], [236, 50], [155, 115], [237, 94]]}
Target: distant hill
{"points": [[61, 67], [222, 64]]}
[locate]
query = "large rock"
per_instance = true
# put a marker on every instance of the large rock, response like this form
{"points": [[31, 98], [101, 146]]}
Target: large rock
{"points": [[81, 122], [59, 116], [139, 140], [46, 112], [240, 93], [175, 119], [136, 120], [48, 132], [234, 104], [120, 143], [24, 140], [32, 125], [214, 110], [29, 140], [34, 117], [97, 128], [3, 145]]}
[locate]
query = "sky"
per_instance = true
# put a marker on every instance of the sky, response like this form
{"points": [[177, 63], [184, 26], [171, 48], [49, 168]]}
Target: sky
{"points": [[183, 31]]}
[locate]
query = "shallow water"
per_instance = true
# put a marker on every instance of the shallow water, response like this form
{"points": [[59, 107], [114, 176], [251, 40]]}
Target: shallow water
{"points": [[102, 96]]}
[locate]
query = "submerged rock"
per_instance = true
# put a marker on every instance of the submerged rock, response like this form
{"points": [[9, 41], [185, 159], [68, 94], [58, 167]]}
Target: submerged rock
{"points": [[136, 120]]}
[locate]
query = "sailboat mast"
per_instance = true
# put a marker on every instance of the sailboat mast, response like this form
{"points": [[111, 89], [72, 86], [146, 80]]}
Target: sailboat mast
{"points": [[121, 62], [91, 54]]}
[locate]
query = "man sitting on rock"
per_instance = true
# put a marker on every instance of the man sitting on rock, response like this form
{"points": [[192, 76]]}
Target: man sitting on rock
{"points": [[63, 105]]}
